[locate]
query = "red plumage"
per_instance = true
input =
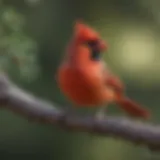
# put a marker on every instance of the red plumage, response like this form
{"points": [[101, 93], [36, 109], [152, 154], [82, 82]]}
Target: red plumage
{"points": [[84, 78]]}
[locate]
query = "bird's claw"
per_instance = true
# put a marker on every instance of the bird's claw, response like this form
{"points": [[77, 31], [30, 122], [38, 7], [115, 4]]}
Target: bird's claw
{"points": [[100, 115]]}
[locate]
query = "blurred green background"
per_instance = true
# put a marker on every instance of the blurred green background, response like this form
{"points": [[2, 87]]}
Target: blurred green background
{"points": [[33, 34]]}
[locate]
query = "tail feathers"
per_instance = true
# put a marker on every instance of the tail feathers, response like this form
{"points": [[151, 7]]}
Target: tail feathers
{"points": [[133, 108]]}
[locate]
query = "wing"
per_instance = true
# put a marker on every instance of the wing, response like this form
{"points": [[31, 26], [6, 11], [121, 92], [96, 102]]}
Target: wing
{"points": [[112, 80]]}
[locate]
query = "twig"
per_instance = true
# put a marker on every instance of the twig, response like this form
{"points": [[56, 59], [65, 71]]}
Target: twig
{"points": [[23, 103]]}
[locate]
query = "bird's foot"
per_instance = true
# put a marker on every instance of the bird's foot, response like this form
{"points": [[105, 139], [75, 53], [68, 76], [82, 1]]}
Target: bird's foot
{"points": [[100, 115]]}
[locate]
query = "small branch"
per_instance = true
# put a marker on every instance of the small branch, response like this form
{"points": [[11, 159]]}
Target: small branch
{"points": [[25, 104]]}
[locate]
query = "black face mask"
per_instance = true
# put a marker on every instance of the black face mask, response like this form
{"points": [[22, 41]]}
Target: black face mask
{"points": [[95, 55], [95, 52]]}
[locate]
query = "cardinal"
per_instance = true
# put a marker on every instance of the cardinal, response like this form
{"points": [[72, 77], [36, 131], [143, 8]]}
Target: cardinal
{"points": [[85, 79]]}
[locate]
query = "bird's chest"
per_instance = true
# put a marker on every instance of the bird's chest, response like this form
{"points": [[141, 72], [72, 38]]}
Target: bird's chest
{"points": [[74, 83], [75, 87]]}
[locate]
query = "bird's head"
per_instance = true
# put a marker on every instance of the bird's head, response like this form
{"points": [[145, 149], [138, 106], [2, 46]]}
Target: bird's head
{"points": [[87, 36]]}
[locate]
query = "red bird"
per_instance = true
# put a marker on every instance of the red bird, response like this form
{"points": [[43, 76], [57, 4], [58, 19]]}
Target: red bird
{"points": [[84, 78]]}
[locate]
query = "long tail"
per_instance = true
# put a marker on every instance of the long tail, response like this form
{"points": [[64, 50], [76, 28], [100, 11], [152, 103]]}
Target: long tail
{"points": [[133, 108]]}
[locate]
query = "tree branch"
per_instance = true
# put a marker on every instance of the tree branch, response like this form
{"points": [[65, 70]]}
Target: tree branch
{"points": [[25, 104]]}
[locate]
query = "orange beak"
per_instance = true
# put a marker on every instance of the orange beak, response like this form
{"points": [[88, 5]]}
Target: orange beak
{"points": [[102, 45]]}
